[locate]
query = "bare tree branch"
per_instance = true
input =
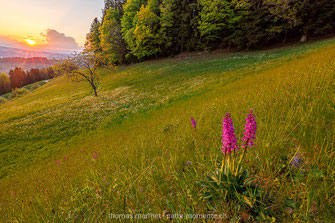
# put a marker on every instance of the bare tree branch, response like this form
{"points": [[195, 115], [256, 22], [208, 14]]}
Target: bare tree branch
{"points": [[84, 65]]}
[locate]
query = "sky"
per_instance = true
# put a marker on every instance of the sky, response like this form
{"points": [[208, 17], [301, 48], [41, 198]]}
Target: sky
{"points": [[54, 25]]}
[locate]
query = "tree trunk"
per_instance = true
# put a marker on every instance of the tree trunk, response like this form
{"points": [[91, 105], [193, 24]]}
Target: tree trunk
{"points": [[303, 37], [94, 89]]}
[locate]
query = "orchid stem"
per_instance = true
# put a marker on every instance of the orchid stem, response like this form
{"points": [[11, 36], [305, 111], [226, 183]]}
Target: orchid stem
{"points": [[240, 161]]}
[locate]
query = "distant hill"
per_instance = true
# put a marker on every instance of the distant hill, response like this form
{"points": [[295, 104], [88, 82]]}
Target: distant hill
{"points": [[26, 59], [16, 52], [9, 63]]}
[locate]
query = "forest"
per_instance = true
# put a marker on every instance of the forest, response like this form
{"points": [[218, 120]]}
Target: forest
{"points": [[18, 78], [134, 30]]}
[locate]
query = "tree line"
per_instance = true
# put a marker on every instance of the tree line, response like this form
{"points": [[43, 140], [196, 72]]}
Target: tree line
{"points": [[18, 78], [134, 30]]}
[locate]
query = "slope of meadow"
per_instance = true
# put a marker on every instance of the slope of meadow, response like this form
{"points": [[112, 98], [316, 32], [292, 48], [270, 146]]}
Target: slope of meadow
{"points": [[67, 156]]}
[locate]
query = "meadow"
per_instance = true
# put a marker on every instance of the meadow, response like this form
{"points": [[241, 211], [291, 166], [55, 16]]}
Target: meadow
{"points": [[67, 156]]}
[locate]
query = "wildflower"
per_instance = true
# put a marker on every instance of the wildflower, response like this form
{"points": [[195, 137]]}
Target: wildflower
{"points": [[194, 124], [250, 130], [65, 158], [229, 140], [296, 162], [58, 162], [95, 155], [189, 163]]}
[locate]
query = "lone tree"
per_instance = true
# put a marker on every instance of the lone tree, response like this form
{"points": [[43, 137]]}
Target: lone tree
{"points": [[82, 66]]}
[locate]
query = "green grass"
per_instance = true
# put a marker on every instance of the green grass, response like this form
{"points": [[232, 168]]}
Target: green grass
{"points": [[140, 128]]}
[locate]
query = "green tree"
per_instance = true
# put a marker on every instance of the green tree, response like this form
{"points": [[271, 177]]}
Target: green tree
{"points": [[4, 84], [317, 17], [146, 33], [251, 31], [283, 17], [112, 43], [130, 9], [113, 4], [168, 26], [187, 18], [92, 43], [219, 20]]}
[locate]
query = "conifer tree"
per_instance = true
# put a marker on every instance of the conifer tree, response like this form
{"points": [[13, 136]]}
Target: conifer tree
{"points": [[168, 26], [188, 35], [92, 43]]}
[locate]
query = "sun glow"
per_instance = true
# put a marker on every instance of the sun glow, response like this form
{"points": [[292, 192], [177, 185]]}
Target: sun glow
{"points": [[30, 42]]}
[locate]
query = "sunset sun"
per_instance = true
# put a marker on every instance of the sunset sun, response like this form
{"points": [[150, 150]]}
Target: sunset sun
{"points": [[30, 42]]}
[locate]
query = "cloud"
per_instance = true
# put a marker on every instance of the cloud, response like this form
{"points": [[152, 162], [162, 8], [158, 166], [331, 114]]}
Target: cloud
{"points": [[51, 41], [55, 40]]}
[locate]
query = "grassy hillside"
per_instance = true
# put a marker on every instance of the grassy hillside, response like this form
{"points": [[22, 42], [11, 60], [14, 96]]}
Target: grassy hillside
{"points": [[69, 156]]}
